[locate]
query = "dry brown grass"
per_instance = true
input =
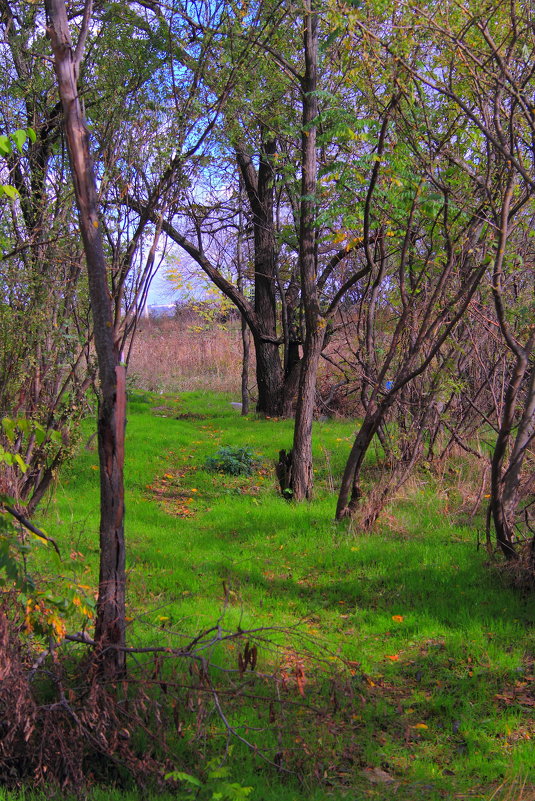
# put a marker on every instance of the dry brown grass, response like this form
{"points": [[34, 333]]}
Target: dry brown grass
{"points": [[186, 354], [515, 789], [180, 355]]}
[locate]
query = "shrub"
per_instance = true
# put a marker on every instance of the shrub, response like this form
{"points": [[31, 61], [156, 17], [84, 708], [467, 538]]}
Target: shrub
{"points": [[232, 461]]}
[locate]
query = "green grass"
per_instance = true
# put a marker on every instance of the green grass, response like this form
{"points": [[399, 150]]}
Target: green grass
{"points": [[406, 635]]}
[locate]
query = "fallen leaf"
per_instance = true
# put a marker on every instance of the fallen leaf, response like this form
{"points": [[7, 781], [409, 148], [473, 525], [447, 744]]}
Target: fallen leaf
{"points": [[378, 776], [397, 618]]}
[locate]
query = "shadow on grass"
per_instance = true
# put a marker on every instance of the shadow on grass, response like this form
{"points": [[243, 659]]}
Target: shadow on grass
{"points": [[451, 597]]}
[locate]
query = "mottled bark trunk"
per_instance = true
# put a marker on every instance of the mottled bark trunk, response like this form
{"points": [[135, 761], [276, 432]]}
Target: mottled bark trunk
{"points": [[110, 623], [303, 474], [302, 470]]}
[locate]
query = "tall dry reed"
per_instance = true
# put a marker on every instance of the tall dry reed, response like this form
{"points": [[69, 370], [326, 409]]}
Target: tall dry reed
{"points": [[184, 354]]}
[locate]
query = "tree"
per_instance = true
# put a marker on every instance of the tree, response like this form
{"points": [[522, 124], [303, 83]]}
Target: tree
{"points": [[45, 363], [491, 81], [110, 623], [302, 472], [45, 318], [255, 145], [462, 152]]}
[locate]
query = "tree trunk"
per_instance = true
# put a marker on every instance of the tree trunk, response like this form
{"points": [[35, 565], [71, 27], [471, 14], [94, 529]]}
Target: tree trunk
{"points": [[303, 475], [245, 333], [350, 492], [302, 472], [110, 622], [259, 187], [246, 348], [269, 378], [504, 484]]}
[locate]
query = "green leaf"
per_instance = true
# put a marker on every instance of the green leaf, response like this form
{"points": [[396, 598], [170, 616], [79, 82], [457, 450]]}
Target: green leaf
{"points": [[9, 190], [24, 425], [32, 136], [5, 146], [19, 137], [9, 428], [220, 772], [178, 775], [21, 463], [40, 434]]}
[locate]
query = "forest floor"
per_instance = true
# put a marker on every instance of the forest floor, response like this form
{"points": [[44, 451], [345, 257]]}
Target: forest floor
{"points": [[394, 664]]}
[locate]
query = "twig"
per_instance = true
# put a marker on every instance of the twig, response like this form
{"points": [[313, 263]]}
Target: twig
{"points": [[231, 730], [481, 491], [30, 526]]}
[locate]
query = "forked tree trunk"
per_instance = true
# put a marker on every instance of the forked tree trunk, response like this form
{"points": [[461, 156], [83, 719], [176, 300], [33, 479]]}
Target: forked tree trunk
{"points": [[110, 622]]}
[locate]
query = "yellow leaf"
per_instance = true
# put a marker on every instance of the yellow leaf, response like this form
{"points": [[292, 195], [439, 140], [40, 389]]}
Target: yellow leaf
{"points": [[420, 726], [397, 618]]}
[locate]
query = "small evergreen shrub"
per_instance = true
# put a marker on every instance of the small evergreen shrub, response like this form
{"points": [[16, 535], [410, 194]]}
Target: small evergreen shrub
{"points": [[232, 461]]}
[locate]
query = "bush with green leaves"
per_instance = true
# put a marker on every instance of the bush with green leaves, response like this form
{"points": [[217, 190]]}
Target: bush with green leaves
{"points": [[217, 786], [232, 461]]}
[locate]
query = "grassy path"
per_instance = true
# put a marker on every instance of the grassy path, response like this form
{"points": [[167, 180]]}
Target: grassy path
{"points": [[419, 658]]}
